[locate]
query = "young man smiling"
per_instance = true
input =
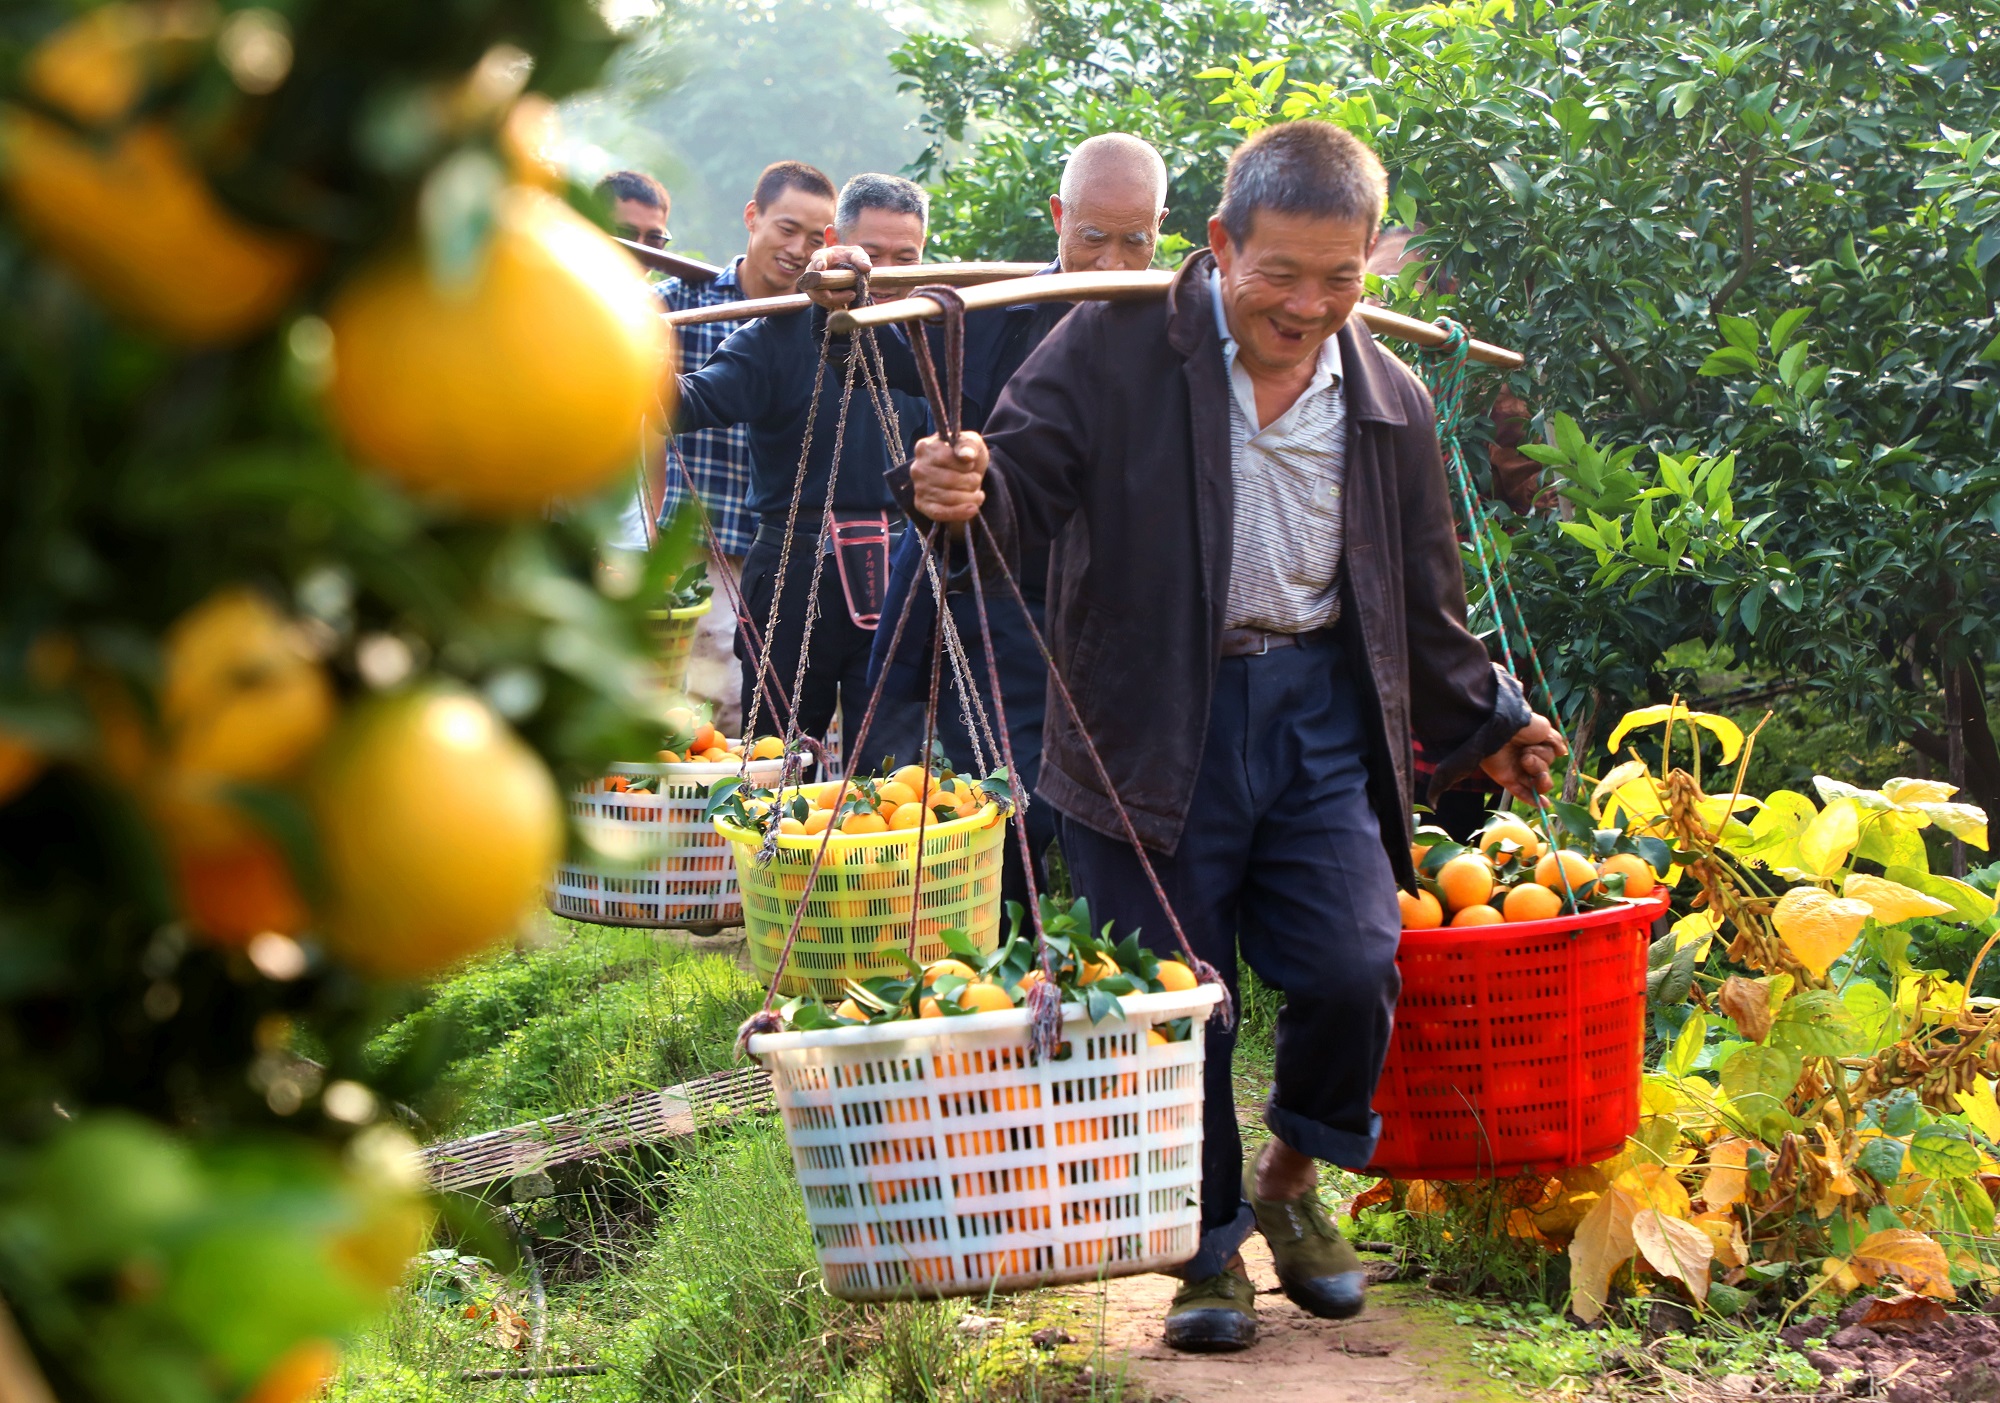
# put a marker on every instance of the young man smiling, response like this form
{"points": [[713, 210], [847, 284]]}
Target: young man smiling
{"points": [[785, 220], [1255, 598]]}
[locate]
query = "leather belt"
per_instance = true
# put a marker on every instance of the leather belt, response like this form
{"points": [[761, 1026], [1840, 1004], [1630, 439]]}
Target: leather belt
{"points": [[1251, 642]]}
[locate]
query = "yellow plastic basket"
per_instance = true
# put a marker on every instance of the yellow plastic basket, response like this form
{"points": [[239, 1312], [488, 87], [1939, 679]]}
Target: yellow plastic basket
{"points": [[859, 906], [673, 641]]}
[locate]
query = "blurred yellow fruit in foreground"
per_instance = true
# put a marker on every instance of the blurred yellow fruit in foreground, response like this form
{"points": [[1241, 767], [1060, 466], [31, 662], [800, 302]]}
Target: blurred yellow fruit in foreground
{"points": [[242, 698], [437, 828], [528, 383], [19, 764], [190, 269], [301, 1373]]}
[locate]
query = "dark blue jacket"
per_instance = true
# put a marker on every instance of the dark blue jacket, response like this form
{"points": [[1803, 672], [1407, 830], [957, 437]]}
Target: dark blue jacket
{"points": [[762, 376]]}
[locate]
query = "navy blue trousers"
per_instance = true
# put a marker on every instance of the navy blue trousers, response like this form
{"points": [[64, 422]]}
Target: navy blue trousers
{"points": [[1281, 859]]}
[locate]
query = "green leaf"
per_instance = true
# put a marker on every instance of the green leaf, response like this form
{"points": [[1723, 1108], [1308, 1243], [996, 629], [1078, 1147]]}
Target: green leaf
{"points": [[1729, 360], [1759, 1078], [1741, 332], [1941, 1150], [1790, 361], [1515, 181], [1785, 325], [1681, 1058], [1873, 1013], [1967, 902], [1817, 1024], [1882, 1159]]}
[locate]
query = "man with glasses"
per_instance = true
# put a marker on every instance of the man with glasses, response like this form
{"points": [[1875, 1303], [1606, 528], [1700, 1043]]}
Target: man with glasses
{"points": [[639, 207]]}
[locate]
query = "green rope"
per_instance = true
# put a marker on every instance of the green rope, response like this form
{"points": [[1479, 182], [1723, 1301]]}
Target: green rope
{"points": [[1444, 371]]}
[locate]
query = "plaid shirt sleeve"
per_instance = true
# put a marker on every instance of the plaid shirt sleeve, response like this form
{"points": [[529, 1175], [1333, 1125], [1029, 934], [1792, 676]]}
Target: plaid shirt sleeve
{"points": [[717, 459]]}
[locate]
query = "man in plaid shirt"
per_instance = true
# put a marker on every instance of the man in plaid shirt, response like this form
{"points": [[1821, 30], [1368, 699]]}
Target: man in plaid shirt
{"points": [[786, 220]]}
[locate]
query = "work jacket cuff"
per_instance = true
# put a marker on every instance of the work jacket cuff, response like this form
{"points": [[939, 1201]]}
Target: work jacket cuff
{"points": [[1510, 713]]}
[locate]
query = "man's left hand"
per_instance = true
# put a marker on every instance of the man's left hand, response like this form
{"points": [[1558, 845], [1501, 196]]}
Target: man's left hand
{"points": [[1522, 765]]}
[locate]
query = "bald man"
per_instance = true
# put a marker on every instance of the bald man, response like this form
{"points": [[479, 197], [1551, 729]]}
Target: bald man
{"points": [[1107, 211]]}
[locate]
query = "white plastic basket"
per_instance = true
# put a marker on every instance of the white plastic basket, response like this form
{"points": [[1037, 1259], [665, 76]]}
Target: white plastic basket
{"points": [[936, 1160], [653, 859]]}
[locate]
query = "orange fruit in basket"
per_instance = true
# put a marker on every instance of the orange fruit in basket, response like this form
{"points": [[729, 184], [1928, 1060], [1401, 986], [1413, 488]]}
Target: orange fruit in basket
{"points": [[1531, 902], [1554, 867], [1640, 879], [864, 823], [767, 748], [417, 878], [929, 1009], [937, 969], [1031, 979], [717, 755], [984, 997], [1466, 880], [850, 1009], [788, 824], [519, 382], [1156, 1038], [818, 821], [892, 794], [912, 778], [1175, 977], [670, 757], [705, 738], [1420, 911], [1101, 968], [1479, 914], [910, 816], [828, 796], [1508, 829]]}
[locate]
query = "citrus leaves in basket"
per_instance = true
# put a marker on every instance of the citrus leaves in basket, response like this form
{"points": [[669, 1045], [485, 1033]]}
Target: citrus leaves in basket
{"points": [[894, 800], [690, 587], [1089, 970]]}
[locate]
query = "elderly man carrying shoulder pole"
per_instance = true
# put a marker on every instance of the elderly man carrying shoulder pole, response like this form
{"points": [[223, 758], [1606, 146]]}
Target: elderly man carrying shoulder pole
{"points": [[1255, 598], [1107, 213]]}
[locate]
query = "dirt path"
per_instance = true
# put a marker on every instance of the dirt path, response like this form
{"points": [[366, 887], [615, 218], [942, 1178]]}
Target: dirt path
{"points": [[1401, 1348]]}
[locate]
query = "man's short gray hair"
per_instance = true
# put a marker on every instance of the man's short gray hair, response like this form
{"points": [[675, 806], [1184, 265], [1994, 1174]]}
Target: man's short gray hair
{"points": [[1309, 168], [1112, 149], [874, 191]]}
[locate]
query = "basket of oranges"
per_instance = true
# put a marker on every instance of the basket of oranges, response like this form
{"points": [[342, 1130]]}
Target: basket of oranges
{"points": [[860, 893], [652, 857], [939, 1158], [1521, 1023], [689, 598]]}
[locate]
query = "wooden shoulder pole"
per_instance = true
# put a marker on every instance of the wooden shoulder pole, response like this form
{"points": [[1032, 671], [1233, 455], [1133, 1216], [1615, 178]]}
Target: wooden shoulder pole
{"points": [[693, 269], [1108, 287], [836, 279]]}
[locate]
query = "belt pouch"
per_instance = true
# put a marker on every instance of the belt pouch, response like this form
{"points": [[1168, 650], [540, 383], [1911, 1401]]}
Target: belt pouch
{"points": [[861, 549]]}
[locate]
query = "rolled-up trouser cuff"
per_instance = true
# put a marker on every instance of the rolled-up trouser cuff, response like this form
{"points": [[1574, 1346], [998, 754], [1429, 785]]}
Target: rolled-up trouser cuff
{"points": [[1218, 1245], [1337, 1147]]}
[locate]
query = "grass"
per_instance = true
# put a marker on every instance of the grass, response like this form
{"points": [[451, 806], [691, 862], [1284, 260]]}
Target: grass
{"points": [[695, 1278]]}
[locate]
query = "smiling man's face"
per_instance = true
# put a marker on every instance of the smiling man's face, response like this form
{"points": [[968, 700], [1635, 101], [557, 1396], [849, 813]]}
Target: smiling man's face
{"points": [[1292, 283]]}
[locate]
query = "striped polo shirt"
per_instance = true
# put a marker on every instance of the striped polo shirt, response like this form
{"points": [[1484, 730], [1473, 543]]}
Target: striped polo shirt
{"points": [[1284, 565]]}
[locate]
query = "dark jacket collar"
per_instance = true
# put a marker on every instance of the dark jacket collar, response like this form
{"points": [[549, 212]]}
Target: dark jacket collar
{"points": [[1370, 378]]}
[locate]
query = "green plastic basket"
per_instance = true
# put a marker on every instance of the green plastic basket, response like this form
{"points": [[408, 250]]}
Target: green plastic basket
{"points": [[673, 641], [859, 907]]}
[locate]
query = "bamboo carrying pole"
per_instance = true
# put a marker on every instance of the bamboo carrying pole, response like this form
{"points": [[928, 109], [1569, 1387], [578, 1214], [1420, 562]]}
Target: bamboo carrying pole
{"points": [[835, 279], [1108, 287], [693, 269]]}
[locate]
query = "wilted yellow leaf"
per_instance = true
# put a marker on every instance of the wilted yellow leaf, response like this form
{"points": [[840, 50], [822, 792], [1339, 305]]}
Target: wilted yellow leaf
{"points": [[1423, 1199], [1726, 1235], [1911, 1255], [1966, 822], [1617, 778], [1818, 926], [1936, 998], [1829, 838], [1696, 926], [1717, 807], [1674, 1247], [1890, 901], [1603, 1243], [1651, 1186], [1981, 1108], [1727, 1180], [1725, 730], [1918, 791], [1748, 1002]]}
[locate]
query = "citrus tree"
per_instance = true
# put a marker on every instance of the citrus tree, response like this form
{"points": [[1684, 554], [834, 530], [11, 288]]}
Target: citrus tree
{"points": [[303, 345]]}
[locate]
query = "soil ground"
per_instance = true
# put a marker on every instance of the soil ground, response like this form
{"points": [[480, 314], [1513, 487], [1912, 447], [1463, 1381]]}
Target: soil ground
{"points": [[1400, 1348]]}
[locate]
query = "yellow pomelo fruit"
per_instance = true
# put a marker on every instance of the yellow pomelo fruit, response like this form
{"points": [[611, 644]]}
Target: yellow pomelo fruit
{"points": [[438, 829], [529, 382]]}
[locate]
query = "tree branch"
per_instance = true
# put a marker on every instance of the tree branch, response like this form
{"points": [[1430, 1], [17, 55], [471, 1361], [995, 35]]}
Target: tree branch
{"points": [[1640, 395], [1746, 237]]}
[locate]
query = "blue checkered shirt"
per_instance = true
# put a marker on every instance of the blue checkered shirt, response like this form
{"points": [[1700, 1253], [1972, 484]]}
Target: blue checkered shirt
{"points": [[717, 459]]}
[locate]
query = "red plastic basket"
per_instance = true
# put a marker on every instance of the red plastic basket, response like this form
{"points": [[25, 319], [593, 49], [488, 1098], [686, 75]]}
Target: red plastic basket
{"points": [[1516, 1047]]}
